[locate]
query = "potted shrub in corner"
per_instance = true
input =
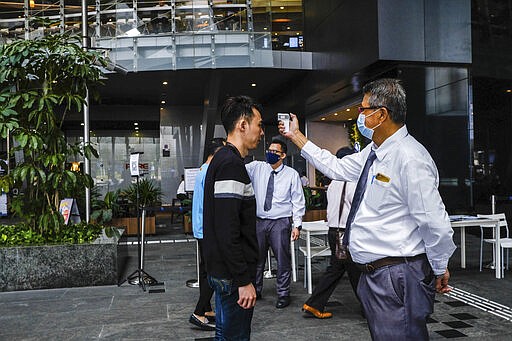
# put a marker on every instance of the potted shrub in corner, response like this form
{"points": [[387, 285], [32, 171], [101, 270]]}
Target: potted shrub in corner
{"points": [[149, 196], [315, 209], [41, 82]]}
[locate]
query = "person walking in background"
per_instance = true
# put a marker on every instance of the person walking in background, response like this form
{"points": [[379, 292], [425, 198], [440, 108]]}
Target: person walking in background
{"points": [[304, 179], [339, 200], [279, 199], [398, 232], [181, 194], [203, 316], [230, 244]]}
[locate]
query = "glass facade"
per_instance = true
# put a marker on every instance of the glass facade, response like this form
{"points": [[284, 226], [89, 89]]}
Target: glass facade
{"points": [[175, 34]]}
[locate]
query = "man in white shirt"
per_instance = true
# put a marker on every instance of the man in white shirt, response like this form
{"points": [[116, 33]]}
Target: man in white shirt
{"points": [[398, 232], [279, 199]]}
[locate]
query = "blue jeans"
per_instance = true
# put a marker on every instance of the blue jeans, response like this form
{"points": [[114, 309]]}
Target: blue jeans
{"points": [[232, 322]]}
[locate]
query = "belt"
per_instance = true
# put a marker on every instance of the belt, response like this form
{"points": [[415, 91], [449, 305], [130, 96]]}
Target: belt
{"points": [[379, 263]]}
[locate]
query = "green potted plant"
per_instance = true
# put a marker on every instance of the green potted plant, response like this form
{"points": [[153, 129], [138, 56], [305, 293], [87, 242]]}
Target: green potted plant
{"points": [[150, 195], [315, 208], [41, 82], [103, 211]]}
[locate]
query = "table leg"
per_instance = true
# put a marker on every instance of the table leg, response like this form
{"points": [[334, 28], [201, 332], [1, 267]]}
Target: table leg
{"points": [[463, 247], [497, 257], [308, 261]]}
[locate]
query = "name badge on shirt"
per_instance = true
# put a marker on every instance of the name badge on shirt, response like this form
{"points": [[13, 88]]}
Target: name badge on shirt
{"points": [[382, 177]]}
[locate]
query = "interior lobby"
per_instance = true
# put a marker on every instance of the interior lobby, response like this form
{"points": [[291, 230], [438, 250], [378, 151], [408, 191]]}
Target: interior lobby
{"points": [[177, 61]]}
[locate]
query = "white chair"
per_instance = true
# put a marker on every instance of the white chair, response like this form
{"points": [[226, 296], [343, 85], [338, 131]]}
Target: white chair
{"points": [[503, 223], [507, 244], [321, 249]]}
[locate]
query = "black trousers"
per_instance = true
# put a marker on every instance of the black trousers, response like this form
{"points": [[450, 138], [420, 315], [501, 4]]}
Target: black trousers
{"points": [[205, 291], [332, 276]]}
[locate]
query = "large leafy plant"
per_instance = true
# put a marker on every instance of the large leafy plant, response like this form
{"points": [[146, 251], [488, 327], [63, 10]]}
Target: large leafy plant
{"points": [[149, 194], [41, 82]]}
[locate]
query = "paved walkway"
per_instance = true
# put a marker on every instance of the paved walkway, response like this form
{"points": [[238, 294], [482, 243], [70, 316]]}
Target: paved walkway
{"points": [[161, 313]]}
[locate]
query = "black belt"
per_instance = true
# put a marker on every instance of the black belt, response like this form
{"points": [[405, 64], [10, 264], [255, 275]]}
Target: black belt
{"points": [[379, 263]]}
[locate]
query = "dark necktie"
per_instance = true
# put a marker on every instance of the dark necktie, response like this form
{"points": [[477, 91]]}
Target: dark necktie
{"points": [[358, 195], [270, 192]]}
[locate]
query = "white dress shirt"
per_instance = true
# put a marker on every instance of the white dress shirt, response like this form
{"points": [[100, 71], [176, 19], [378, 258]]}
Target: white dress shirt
{"points": [[288, 199], [334, 192], [401, 213]]}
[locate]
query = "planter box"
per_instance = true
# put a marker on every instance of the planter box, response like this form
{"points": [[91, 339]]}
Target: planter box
{"points": [[314, 215], [187, 224], [130, 225], [62, 266]]}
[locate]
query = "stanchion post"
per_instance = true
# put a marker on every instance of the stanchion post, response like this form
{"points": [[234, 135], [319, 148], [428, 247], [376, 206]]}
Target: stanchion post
{"points": [[194, 283]]}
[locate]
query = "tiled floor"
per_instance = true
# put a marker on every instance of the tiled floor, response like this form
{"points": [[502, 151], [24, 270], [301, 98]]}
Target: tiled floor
{"points": [[129, 313]]}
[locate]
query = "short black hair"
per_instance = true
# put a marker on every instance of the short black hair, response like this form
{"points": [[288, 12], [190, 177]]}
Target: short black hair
{"points": [[344, 151], [214, 145], [280, 142], [235, 108]]}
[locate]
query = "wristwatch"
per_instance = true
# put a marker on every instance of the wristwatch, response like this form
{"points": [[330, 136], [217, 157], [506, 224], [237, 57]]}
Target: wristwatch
{"points": [[299, 227]]}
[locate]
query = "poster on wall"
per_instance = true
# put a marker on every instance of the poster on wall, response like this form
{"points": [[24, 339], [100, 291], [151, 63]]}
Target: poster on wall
{"points": [[3, 205], [134, 164], [190, 178], [69, 210]]}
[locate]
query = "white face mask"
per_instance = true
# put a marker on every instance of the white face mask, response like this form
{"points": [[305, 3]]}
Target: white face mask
{"points": [[363, 129]]}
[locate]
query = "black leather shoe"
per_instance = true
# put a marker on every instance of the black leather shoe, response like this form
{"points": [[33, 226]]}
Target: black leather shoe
{"points": [[283, 302], [198, 323]]}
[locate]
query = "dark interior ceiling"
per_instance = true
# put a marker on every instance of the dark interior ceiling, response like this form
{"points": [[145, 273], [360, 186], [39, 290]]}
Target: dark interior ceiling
{"points": [[275, 89]]}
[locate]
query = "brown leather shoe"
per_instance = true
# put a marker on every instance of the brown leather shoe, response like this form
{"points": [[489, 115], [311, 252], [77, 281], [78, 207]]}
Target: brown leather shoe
{"points": [[315, 312]]}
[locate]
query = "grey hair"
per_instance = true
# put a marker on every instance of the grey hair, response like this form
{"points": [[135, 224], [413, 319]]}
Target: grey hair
{"points": [[388, 93]]}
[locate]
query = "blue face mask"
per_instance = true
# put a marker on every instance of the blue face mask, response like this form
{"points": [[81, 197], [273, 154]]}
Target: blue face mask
{"points": [[272, 158], [363, 129]]}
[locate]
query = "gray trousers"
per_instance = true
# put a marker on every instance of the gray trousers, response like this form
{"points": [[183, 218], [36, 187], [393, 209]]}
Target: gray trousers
{"points": [[397, 300], [275, 233]]}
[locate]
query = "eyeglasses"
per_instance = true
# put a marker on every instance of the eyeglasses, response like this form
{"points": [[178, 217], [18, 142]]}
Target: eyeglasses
{"points": [[362, 109], [273, 151]]}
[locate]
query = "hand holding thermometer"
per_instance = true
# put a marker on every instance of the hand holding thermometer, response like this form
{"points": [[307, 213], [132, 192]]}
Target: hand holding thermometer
{"points": [[285, 118]]}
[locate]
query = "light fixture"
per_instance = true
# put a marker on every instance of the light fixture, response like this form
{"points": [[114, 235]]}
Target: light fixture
{"points": [[136, 128], [335, 114], [509, 90], [348, 109], [164, 82], [161, 108], [135, 123], [264, 28], [323, 119], [253, 84], [75, 166], [82, 123], [32, 4], [163, 102], [282, 7], [288, 27]]}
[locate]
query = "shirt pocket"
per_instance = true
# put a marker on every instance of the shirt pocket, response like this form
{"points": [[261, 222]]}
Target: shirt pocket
{"points": [[377, 193]]}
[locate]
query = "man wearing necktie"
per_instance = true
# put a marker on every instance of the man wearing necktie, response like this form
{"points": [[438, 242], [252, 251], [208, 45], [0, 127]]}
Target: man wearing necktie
{"points": [[279, 200], [398, 232]]}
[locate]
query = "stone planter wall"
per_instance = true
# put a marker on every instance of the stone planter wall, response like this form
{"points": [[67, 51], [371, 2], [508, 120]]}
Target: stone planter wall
{"points": [[62, 266]]}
